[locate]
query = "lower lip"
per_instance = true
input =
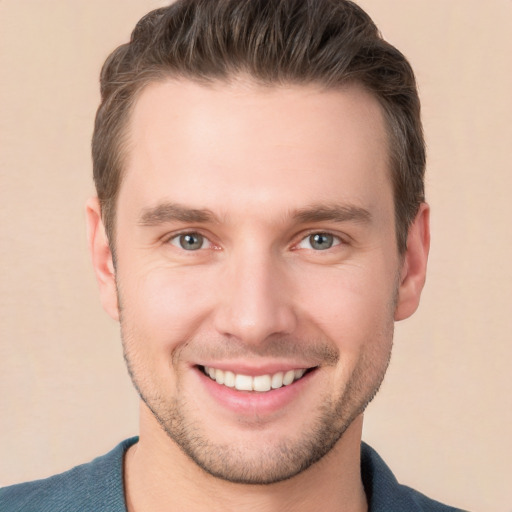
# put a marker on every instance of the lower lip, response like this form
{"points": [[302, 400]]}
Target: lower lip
{"points": [[254, 402]]}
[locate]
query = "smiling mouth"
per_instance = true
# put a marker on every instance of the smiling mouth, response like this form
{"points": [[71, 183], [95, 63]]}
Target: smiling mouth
{"points": [[259, 383]]}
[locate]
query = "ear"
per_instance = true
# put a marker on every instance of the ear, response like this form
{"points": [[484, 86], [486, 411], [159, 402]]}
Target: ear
{"points": [[414, 264], [101, 258]]}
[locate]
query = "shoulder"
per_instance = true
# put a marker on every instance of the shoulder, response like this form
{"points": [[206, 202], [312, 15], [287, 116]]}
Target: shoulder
{"points": [[97, 485], [385, 493]]}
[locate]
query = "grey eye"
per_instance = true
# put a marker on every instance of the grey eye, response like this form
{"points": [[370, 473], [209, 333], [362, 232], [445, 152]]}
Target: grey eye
{"points": [[321, 241], [189, 241]]}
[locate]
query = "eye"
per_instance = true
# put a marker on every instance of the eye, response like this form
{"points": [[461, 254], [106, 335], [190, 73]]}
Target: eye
{"points": [[319, 241], [189, 241]]}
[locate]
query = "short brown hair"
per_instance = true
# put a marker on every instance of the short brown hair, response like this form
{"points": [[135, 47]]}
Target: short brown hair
{"points": [[326, 42]]}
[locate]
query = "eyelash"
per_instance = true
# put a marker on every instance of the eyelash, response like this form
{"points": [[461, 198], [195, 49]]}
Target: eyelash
{"points": [[175, 240]]}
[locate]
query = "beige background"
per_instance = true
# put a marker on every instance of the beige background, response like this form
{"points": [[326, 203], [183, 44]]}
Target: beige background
{"points": [[443, 419]]}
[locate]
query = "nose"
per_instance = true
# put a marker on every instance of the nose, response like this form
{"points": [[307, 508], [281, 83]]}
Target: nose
{"points": [[256, 299]]}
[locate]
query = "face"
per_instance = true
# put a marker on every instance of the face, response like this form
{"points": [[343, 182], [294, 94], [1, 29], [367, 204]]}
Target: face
{"points": [[257, 272]]}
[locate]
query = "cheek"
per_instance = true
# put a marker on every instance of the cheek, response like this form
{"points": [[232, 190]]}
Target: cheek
{"points": [[352, 305], [353, 309], [164, 306]]}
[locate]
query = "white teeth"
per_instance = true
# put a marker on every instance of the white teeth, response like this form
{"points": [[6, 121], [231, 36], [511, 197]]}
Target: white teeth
{"points": [[229, 379], [219, 376], [243, 382], [260, 383], [277, 380], [288, 378], [298, 373]]}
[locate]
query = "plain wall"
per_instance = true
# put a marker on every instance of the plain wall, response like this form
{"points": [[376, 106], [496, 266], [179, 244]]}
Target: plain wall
{"points": [[443, 418]]}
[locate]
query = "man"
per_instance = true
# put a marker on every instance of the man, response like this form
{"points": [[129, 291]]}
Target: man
{"points": [[259, 226]]}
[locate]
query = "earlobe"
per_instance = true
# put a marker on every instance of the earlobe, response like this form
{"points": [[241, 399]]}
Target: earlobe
{"points": [[101, 256], [412, 278]]}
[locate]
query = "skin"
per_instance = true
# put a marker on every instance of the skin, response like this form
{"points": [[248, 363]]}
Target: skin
{"points": [[266, 168]]}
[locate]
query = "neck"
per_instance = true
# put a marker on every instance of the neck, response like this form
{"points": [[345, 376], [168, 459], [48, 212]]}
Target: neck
{"points": [[159, 476]]}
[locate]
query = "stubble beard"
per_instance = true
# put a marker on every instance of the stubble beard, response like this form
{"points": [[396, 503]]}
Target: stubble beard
{"points": [[286, 458], [273, 462]]}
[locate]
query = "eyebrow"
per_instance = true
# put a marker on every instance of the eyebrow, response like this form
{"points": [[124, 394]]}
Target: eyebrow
{"points": [[333, 213], [172, 212]]}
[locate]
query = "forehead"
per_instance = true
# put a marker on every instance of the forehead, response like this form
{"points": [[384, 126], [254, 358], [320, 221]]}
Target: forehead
{"points": [[247, 141]]}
